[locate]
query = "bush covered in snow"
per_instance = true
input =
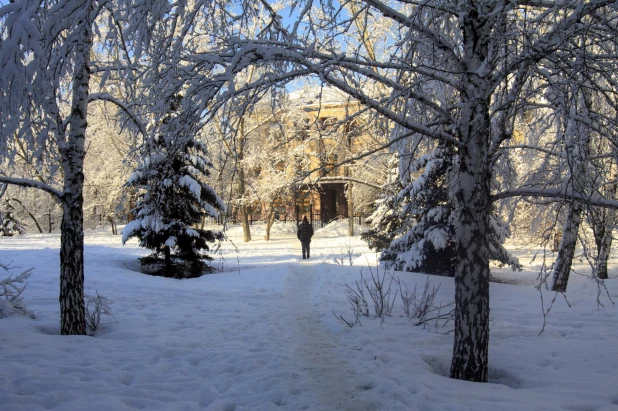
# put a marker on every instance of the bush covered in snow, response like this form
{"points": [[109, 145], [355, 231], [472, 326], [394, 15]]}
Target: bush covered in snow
{"points": [[96, 306], [11, 289]]}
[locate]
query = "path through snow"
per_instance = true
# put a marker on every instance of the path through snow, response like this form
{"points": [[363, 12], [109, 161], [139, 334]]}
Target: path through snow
{"points": [[329, 377]]}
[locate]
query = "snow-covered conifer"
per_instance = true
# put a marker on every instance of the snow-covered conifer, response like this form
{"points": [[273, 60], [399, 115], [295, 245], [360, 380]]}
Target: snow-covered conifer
{"points": [[425, 241], [422, 234], [9, 224], [172, 200], [387, 218]]}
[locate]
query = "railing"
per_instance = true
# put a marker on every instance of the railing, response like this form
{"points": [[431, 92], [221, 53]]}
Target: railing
{"points": [[316, 219], [318, 222], [253, 218]]}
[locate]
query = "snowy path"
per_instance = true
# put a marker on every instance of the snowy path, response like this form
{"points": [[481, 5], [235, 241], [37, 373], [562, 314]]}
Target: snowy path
{"points": [[330, 378]]}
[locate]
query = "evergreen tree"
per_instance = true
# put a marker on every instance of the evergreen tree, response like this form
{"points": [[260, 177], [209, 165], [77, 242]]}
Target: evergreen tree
{"points": [[9, 224], [172, 200], [386, 219], [415, 229], [425, 241]]}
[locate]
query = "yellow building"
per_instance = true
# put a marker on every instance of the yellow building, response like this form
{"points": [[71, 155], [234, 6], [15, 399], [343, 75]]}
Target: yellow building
{"points": [[333, 133]]}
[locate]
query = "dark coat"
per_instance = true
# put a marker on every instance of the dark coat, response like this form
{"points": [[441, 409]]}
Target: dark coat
{"points": [[305, 232]]}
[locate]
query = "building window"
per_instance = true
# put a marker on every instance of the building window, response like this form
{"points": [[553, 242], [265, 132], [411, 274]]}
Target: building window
{"points": [[303, 203]]}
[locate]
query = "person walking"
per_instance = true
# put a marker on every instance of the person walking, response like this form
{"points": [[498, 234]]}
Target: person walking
{"points": [[304, 234]]}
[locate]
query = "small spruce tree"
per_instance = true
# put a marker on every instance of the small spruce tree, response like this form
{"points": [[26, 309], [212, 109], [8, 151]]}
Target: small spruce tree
{"points": [[425, 241], [9, 224], [172, 198]]}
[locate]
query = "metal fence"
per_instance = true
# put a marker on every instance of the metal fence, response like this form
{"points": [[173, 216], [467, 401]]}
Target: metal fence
{"points": [[316, 219], [318, 222]]}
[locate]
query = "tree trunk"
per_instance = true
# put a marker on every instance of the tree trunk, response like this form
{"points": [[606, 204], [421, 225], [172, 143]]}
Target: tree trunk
{"points": [[34, 220], [471, 339], [244, 213], [577, 146], [270, 219], [246, 227], [604, 241], [562, 265], [350, 211], [168, 261], [50, 226], [470, 194], [604, 250], [72, 313], [113, 224]]}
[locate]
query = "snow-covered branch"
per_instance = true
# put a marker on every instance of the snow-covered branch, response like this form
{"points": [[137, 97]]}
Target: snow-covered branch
{"points": [[11, 289], [558, 194], [533, 148], [433, 36], [121, 105], [22, 182]]}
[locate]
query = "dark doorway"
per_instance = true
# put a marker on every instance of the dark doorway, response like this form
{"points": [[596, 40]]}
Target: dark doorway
{"points": [[333, 202]]}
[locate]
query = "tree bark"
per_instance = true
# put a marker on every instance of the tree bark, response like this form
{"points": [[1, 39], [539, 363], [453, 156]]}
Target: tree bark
{"points": [[244, 213], [605, 237], [350, 211], [167, 255], [270, 219], [604, 250], [562, 265], [471, 338], [577, 146], [72, 313], [471, 198]]}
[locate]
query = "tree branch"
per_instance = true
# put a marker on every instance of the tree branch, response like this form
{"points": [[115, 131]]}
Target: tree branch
{"points": [[108, 97], [32, 184], [350, 179], [556, 193]]}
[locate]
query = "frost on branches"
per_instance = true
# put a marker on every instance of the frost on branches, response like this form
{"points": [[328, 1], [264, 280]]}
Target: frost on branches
{"points": [[11, 289], [415, 229], [172, 200]]}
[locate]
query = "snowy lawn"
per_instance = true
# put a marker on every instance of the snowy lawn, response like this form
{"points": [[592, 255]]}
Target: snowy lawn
{"points": [[261, 335]]}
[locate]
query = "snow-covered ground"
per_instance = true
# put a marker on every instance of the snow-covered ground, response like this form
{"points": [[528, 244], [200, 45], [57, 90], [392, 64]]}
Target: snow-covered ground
{"points": [[261, 335]]}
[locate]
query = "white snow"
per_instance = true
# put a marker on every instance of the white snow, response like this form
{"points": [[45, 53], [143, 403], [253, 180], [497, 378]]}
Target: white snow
{"points": [[260, 335], [171, 241], [192, 185]]}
